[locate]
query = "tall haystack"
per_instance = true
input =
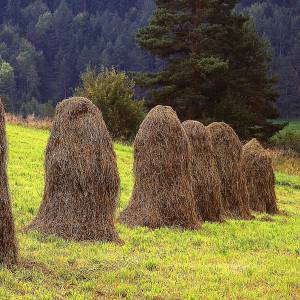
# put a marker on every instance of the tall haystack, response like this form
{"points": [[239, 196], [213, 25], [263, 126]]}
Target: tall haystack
{"points": [[228, 150], [205, 176], [260, 178], [82, 180], [8, 243], [162, 194]]}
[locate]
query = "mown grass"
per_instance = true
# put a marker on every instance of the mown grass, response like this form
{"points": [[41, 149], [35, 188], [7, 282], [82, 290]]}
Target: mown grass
{"points": [[293, 126], [257, 259]]}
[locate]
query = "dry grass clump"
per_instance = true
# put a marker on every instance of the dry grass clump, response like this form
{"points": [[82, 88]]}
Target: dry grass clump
{"points": [[162, 194], [227, 149], [260, 178], [29, 121], [82, 180], [205, 176], [8, 243], [285, 161]]}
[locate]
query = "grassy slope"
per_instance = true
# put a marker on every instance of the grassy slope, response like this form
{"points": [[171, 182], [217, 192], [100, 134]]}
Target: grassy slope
{"points": [[293, 126], [237, 260]]}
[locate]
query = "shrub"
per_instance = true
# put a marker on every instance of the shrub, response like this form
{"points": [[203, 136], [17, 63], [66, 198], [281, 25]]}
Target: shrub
{"points": [[287, 140], [36, 109], [113, 93]]}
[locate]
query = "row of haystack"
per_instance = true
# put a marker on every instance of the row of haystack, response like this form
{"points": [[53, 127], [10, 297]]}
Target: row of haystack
{"points": [[188, 173], [184, 174]]}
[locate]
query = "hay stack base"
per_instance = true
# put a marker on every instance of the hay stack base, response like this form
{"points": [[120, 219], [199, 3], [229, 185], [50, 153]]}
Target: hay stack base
{"points": [[162, 194], [227, 149], [206, 180], [8, 243], [82, 181], [260, 178]]}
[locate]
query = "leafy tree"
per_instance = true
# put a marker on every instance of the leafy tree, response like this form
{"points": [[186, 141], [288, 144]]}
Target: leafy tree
{"points": [[215, 68], [7, 82], [113, 93]]}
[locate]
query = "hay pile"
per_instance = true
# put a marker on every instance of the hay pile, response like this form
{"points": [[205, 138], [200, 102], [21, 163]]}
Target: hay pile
{"points": [[82, 181], [8, 243], [206, 180], [228, 150], [162, 194], [260, 178]]}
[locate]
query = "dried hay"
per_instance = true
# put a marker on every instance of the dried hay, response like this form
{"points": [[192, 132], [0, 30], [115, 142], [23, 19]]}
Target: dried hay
{"points": [[8, 243], [82, 180], [162, 194], [259, 177], [228, 150], [206, 180]]}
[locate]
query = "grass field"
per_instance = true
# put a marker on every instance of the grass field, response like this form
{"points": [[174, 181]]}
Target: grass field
{"points": [[293, 126], [257, 259]]}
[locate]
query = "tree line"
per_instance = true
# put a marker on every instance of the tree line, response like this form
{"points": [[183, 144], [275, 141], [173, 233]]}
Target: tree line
{"points": [[279, 22], [46, 46]]}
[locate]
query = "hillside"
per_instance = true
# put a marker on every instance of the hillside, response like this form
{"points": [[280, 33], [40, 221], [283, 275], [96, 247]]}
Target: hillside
{"points": [[256, 259], [45, 45], [278, 21]]}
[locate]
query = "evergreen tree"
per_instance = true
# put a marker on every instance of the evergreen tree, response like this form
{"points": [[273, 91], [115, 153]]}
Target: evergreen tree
{"points": [[279, 22], [216, 68]]}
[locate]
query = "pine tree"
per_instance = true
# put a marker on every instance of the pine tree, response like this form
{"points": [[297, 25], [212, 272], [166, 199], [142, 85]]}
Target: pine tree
{"points": [[215, 66]]}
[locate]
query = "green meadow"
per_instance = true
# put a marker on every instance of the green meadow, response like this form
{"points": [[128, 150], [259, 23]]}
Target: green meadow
{"points": [[258, 259], [293, 126]]}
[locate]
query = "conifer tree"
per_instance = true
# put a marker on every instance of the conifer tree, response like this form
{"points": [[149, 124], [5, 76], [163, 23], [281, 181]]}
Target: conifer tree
{"points": [[215, 66]]}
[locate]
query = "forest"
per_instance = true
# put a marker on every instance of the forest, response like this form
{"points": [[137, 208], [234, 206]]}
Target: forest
{"points": [[46, 45]]}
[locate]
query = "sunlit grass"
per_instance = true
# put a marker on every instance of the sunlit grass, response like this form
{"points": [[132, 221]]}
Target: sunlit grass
{"points": [[257, 259]]}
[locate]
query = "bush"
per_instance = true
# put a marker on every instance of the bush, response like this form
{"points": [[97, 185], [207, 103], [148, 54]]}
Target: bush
{"points": [[288, 140], [36, 109], [113, 93]]}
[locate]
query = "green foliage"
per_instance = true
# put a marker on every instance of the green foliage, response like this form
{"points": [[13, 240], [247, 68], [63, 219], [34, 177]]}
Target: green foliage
{"points": [[215, 65], [288, 139], [40, 110], [50, 43], [278, 21], [113, 93], [7, 82], [256, 259]]}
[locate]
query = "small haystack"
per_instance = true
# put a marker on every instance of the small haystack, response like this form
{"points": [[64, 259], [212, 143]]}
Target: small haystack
{"points": [[228, 150], [206, 180], [162, 194], [82, 181], [260, 178], [8, 243]]}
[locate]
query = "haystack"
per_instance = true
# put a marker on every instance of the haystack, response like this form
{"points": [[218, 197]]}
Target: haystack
{"points": [[227, 149], [260, 178], [205, 176], [162, 194], [8, 243], [82, 181]]}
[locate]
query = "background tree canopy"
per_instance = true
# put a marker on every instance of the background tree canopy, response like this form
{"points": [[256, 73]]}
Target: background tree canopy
{"points": [[279, 21], [46, 44]]}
